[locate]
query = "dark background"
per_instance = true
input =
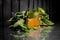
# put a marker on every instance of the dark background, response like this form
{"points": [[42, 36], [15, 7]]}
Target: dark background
{"points": [[9, 6]]}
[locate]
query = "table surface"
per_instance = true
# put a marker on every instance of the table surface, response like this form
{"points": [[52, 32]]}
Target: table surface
{"points": [[53, 35]]}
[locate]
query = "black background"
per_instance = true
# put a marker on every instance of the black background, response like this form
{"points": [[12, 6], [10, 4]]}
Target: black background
{"points": [[7, 6]]}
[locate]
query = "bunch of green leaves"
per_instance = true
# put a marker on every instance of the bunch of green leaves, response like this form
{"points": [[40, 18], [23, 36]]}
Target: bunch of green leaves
{"points": [[18, 22], [19, 19]]}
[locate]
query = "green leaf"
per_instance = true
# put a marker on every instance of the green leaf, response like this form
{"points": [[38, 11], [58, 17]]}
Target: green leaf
{"points": [[44, 16], [23, 11], [10, 19], [41, 10], [42, 23], [19, 22], [48, 22]]}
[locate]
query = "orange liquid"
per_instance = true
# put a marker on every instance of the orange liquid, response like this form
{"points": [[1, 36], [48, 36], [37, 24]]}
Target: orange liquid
{"points": [[34, 22]]}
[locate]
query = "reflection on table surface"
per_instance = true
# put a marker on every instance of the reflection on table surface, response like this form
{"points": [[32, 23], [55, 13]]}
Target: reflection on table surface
{"points": [[53, 35]]}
